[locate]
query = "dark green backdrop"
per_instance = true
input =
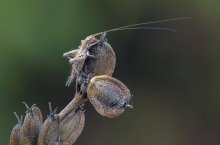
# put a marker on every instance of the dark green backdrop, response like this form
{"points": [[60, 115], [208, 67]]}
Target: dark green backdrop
{"points": [[174, 77]]}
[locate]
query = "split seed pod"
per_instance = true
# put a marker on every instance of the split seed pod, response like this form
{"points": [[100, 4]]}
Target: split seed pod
{"points": [[108, 95], [15, 138], [31, 126], [93, 56], [49, 134], [71, 127]]}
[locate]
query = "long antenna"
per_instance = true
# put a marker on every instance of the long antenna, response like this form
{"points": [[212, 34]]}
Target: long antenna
{"points": [[147, 28], [127, 27]]}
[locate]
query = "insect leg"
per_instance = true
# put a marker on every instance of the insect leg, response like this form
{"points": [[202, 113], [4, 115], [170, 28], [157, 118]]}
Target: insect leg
{"points": [[78, 59], [70, 54]]}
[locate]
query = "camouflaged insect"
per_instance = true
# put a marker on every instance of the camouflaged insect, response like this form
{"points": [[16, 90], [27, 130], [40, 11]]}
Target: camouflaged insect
{"points": [[93, 56]]}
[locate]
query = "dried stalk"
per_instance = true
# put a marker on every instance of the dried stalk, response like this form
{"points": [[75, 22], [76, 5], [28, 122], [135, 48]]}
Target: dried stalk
{"points": [[72, 106]]}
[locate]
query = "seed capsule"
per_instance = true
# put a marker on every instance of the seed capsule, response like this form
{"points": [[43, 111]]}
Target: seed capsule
{"points": [[104, 63], [49, 134], [31, 126], [108, 95], [71, 127], [93, 56], [15, 138]]}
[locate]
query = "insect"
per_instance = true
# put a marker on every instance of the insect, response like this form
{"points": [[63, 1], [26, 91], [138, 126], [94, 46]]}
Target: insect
{"points": [[96, 56], [92, 57]]}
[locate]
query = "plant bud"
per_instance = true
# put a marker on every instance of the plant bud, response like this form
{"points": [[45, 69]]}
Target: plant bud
{"points": [[71, 127], [93, 56], [108, 95], [31, 126], [49, 134], [15, 138]]}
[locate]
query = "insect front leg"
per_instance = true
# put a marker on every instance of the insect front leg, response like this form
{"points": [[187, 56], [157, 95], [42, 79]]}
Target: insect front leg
{"points": [[70, 54], [79, 60]]}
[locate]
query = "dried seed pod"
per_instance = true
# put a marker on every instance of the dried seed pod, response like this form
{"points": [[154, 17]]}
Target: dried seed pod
{"points": [[104, 64], [108, 95], [15, 138], [93, 56], [71, 127], [49, 134], [31, 126]]}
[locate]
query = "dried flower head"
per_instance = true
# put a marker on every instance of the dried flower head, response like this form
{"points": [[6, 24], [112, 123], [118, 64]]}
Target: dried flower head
{"points": [[108, 95], [93, 56]]}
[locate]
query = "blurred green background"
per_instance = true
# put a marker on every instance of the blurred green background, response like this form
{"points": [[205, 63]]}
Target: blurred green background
{"points": [[174, 77]]}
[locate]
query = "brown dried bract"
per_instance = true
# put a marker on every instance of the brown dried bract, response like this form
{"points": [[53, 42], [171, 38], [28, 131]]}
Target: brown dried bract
{"points": [[71, 127], [108, 95], [31, 126], [15, 138], [49, 134]]}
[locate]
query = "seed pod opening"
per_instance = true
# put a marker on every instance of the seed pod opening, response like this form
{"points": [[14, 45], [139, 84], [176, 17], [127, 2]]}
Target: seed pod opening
{"points": [[32, 125], [15, 138], [108, 95], [71, 127], [93, 56]]}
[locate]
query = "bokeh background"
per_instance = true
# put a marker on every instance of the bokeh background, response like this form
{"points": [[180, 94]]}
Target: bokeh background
{"points": [[174, 76]]}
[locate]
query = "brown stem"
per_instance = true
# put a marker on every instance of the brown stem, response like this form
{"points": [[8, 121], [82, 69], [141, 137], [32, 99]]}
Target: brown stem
{"points": [[72, 106]]}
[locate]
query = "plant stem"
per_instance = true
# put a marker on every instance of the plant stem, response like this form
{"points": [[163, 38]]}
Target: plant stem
{"points": [[72, 106]]}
